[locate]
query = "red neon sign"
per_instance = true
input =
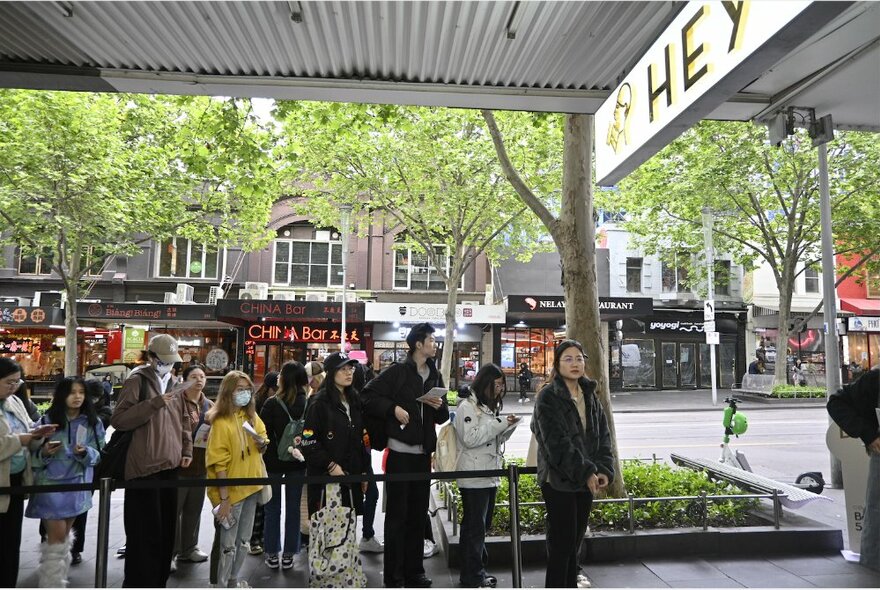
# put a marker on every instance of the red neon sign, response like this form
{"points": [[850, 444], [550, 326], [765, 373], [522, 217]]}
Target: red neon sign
{"points": [[300, 333]]}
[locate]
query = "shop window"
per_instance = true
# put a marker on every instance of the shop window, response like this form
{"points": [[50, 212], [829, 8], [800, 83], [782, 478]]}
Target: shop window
{"points": [[180, 258], [637, 363], [303, 263], [634, 275], [872, 285], [32, 264], [811, 280], [722, 277], [414, 271]]}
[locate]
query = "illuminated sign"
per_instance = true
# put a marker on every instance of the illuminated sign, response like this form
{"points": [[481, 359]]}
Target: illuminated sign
{"points": [[144, 311], [30, 316], [711, 51], [315, 311], [301, 333], [16, 345], [433, 312]]}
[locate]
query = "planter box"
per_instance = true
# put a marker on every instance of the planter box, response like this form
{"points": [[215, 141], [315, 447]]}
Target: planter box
{"points": [[801, 537]]}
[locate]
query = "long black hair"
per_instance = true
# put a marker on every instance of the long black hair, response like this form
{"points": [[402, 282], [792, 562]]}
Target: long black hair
{"points": [[329, 385], [8, 367], [483, 387], [294, 381], [57, 411]]}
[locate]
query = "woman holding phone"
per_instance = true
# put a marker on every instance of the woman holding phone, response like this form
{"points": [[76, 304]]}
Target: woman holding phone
{"points": [[16, 440], [67, 457]]}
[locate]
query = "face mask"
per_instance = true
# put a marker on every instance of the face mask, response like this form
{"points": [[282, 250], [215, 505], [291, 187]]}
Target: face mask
{"points": [[242, 398], [163, 369]]}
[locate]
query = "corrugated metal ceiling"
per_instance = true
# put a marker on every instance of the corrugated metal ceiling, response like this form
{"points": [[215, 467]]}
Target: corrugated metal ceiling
{"points": [[557, 45]]}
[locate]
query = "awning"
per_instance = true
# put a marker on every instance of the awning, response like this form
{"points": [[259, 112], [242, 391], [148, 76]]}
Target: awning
{"points": [[860, 306]]}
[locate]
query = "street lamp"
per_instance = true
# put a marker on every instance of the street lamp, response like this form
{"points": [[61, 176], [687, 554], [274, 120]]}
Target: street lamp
{"points": [[708, 225], [346, 219]]}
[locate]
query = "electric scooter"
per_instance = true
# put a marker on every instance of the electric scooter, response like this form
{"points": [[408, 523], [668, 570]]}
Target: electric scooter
{"points": [[735, 423]]}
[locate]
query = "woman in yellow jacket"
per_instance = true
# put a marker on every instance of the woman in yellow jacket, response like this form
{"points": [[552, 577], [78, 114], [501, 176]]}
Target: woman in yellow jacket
{"points": [[235, 446]]}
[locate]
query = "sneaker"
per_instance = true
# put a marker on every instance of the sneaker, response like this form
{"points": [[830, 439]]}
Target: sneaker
{"points": [[255, 550], [242, 584], [271, 561], [526, 400], [519, 400], [286, 561], [371, 545], [430, 549], [75, 558], [583, 581], [195, 556], [173, 567], [120, 552]]}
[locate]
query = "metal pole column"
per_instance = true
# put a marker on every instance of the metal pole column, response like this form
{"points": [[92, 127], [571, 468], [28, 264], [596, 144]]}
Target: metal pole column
{"points": [[513, 487], [105, 489], [708, 224], [346, 214]]}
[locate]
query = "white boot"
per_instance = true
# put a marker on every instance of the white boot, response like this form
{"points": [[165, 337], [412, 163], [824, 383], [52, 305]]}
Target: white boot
{"points": [[54, 562]]}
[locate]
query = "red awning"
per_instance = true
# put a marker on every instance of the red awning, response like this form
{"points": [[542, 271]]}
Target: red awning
{"points": [[860, 306]]}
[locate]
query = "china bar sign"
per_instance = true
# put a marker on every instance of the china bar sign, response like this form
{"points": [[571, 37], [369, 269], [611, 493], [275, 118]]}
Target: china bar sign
{"points": [[711, 51]]}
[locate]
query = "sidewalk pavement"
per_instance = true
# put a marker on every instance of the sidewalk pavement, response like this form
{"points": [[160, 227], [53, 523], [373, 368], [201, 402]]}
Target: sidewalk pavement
{"points": [[670, 400], [805, 571]]}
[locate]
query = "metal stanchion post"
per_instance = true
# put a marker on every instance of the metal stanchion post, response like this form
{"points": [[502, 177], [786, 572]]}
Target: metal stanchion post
{"points": [[105, 489], [705, 511], [513, 487], [631, 505], [777, 508]]}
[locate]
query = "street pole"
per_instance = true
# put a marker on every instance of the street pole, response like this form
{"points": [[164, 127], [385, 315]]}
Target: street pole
{"points": [[346, 215], [829, 306], [708, 224]]}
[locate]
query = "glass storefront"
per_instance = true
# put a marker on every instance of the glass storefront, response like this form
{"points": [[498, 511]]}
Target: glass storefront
{"points": [[864, 353], [465, 362], [270, 357], [213, 349], [808, 346], [637, 364], [532, 346]]}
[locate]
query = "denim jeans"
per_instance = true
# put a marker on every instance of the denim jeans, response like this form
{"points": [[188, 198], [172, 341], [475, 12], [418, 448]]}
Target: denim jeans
{"points": [[370, 501], [272, 517], [870, 545], [478, 505], [233, 542]]}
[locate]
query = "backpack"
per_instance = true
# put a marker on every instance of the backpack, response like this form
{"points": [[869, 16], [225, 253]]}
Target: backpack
{"points": [[292, 434], [446, 455], [115, 453]]}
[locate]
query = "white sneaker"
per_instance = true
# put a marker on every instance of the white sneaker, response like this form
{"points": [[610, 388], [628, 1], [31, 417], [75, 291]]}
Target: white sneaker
{"points": [[242, 584], [195, 556], [526, 400], [519, 400], [371, 545], [583, 581], [430, 549]]}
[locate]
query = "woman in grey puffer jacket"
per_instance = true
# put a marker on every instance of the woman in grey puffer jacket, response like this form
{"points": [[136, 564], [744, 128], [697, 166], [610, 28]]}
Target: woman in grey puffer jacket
{"points": [[481, 434], [574, 458]]}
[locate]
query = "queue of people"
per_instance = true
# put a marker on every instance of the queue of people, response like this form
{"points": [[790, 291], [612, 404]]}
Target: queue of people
{"points": [[176, 432]]}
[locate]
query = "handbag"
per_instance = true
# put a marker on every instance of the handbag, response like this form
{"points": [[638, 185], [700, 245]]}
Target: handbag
{"points": [[334, 561], [115, 453], [292, 434], [266, 493]]}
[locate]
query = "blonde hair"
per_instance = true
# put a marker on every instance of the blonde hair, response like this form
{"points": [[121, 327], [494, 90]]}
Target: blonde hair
{"points": [[224, 405], [319, 379]]}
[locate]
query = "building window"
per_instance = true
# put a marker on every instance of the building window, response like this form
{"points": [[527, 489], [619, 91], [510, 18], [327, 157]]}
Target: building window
{"points": [[302, 263], [31, 264], [413, 270], [811, 280], [872, 285], [674, 277], [180, 258], [634, 275], [722, 277]]}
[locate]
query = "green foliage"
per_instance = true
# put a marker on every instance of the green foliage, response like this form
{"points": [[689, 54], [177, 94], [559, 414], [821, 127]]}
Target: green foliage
{"points": [[643, 480], [43, 407], [792, 391]]}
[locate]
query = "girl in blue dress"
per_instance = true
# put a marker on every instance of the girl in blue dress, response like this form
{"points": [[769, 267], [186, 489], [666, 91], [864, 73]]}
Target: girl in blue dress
{"points": [[67, 457]]}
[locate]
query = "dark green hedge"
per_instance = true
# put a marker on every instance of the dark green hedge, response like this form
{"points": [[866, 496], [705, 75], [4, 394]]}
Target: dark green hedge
{"points": [[643, 479]]}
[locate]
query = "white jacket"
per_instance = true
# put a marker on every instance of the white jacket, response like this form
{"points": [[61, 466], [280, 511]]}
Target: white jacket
{"points": [[480, 435], [10, 445]]}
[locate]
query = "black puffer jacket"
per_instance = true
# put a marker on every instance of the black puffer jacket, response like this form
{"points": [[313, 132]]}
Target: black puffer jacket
{"points": [[330, 436], [567, 453], [400, 385], [854, 407], [276, 420]]}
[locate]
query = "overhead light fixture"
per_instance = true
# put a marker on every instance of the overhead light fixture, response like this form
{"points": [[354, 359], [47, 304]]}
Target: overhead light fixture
{"points": [[296, 11], [66, 8], [512, 22]]}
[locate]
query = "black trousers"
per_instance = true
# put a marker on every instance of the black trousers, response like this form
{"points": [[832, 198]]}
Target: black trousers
{"points": [[79, 533], [10, 536], [407, 505], [478, 506], [567, 514], [150, 523]]}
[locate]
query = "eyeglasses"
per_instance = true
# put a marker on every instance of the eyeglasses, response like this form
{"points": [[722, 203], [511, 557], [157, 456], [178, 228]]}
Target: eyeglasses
{"points": [[14, 384], [573, 359], [346, 368]]}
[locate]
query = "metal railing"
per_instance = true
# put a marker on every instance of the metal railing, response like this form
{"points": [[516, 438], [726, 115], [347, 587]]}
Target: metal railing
{"points": [[107, 486]]}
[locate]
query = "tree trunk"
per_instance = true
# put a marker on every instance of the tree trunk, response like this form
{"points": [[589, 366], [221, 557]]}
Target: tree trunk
{"points": [[70, 325], [785, 288], [449, 337], [577, 250]]}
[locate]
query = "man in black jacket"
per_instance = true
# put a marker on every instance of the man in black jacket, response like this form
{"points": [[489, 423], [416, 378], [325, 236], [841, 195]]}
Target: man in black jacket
{"points": [[410, 427], [855, 409]]}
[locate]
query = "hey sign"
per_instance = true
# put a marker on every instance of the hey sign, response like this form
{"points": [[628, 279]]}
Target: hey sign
{"points": [[711, 51]]}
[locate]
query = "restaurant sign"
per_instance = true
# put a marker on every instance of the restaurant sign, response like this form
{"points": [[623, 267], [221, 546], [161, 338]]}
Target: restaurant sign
{"points": [[17, 315]]}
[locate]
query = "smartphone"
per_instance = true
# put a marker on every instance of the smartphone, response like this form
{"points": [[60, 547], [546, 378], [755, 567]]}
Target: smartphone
{"points": [[226, 523], [53, 444]]}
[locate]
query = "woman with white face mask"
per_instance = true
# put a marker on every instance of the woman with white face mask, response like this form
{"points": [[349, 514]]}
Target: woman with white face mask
{"points": [[232, 453], [161, 442]]}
